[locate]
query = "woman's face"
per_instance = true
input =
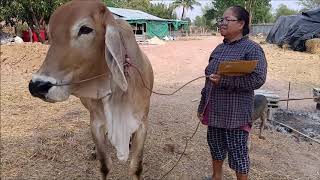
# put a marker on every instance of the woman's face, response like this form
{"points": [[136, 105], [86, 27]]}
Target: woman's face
{"points": [[229, 25]]}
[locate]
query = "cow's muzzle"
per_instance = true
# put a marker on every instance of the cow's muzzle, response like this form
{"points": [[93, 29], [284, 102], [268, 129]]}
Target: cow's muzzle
{"points": [[39, 88]]}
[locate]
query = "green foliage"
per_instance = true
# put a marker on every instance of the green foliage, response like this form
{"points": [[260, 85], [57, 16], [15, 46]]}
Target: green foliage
{"points": [[260, 10], [13, 11], [221, 5], [162, 10], [26, 10], [310, 4], [283, 10], [35, 13], [200, 21], [141, 5], [111, 3], [22, 27], [210, 15]]}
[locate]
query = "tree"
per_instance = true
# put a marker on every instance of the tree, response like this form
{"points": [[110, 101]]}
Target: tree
{"points": [[220, 6], [141, 5], [163, 11], [310, 4], [35, 13], [283, 10], [210, 14], [160, 10], [185, 4], [260, 10], [200, 21]]}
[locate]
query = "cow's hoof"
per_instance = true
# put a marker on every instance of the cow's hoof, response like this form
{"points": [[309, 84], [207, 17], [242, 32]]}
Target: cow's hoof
{"points": [[130, 143], [93, 154]]}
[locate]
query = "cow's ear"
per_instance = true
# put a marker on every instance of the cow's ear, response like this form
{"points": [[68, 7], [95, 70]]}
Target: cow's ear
{"points": [[115, 54]]}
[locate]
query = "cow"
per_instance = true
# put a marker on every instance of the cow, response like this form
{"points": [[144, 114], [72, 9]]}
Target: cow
{"points": [[96, 58]]}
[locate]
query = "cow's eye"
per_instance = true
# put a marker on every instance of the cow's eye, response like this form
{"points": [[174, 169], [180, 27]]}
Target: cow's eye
{"points": [[84, 30]]}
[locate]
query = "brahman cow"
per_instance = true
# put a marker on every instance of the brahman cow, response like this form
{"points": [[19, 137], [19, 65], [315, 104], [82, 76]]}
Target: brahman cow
{"points": [[87, 56]]}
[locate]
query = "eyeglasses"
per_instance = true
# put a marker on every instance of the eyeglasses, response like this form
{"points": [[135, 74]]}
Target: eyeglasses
{"points": [[225, 20]]}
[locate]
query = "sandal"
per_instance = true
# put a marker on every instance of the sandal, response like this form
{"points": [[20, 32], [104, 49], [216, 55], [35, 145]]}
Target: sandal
{"points": [[207, 178]]}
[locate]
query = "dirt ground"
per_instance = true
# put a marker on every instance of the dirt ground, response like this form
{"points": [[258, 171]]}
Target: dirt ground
{"points": [[53, 141]]}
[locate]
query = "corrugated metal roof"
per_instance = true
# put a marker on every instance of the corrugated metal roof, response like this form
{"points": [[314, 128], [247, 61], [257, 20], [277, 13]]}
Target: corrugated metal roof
{"points": [[130, 14]]}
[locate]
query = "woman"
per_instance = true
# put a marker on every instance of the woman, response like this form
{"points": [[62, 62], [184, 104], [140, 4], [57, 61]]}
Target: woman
{"points": [[227, 101]]}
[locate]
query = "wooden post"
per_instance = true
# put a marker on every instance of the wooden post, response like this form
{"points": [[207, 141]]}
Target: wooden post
{"points": [[135, 32], [144, 31], [288, 96]]}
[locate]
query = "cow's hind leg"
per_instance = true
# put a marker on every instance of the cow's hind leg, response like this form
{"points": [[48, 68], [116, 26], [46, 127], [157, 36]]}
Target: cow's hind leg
{"points": [[135, 169]]}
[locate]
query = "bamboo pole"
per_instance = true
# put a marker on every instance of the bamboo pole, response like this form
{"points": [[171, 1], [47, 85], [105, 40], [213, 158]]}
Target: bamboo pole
{"points": [[288, 95], [304, 135]]}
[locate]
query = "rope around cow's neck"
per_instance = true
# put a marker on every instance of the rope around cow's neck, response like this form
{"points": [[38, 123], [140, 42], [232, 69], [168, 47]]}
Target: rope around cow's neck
{"points": [[164, 94], [81, 81]]}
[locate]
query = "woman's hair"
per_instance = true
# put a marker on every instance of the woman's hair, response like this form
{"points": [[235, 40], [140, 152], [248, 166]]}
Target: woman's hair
{"points": [[242, 15]]}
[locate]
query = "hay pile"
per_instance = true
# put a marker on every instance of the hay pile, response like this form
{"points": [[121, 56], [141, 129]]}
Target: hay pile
{"points": [[155, 41], [313, 46]]}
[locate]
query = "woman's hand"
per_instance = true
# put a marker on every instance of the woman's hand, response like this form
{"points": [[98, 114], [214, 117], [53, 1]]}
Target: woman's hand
{"points": [[215, 79], [200, 116]]}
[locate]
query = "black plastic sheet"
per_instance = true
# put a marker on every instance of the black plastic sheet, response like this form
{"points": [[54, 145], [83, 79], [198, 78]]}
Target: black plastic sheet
{"points": [[296, 29]]}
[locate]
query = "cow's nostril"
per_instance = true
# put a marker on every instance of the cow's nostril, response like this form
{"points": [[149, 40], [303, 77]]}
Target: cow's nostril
{"points": [[44, 87], [39, 88]]}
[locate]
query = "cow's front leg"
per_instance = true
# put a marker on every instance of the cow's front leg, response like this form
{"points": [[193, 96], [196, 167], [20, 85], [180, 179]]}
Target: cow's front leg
{"points": [[135, 170], [98, 130], [99, 138]]}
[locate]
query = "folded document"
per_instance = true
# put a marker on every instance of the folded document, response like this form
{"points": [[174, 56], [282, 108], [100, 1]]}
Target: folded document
{"points": [[237, 68]]}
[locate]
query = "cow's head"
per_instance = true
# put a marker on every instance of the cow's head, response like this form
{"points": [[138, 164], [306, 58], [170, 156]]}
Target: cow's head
{"points": [[84, 42]]}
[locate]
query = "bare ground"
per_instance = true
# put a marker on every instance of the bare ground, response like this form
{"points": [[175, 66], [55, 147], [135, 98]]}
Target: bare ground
{"points": [[53, 141]]}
